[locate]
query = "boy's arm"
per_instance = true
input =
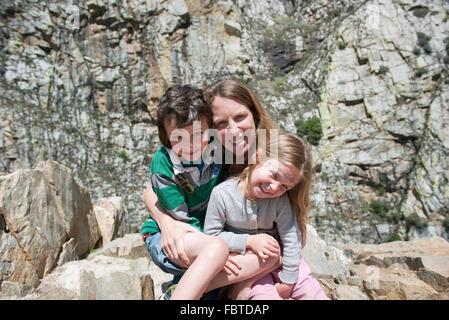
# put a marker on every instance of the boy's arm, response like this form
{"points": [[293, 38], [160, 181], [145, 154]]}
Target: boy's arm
{"points": [[216, 220], [172, 231]]}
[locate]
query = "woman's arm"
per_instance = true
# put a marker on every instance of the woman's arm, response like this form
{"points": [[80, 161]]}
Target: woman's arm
{"points": [[172, 231]]}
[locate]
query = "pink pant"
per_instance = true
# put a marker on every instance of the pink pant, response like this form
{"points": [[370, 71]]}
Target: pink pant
{"points": [[306, 288]]}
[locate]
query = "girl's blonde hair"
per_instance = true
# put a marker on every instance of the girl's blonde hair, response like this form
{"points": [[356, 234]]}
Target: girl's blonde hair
{"points": [[294, 151]]}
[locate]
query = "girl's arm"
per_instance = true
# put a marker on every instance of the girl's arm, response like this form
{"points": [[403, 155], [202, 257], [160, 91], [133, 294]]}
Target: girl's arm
{"points": [[289, 234], [215, 222], [172, 231]]}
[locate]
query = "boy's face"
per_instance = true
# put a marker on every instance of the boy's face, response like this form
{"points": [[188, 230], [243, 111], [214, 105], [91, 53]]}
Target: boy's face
{"points": [[188, 142]]}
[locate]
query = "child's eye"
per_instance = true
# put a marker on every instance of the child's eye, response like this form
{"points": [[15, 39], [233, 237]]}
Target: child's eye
{"points": [[275, 175]]}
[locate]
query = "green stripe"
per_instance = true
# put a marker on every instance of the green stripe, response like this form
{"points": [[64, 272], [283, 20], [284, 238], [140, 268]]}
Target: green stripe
{"points": [[151, 226], [201, 193], [170, 197], [161, 163]]}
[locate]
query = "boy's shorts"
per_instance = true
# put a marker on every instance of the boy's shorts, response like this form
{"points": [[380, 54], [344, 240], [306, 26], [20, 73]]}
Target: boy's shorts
{"points": [[153, 242]]}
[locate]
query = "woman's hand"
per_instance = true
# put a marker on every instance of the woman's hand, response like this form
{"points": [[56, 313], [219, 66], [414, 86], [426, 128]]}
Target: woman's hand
{"points": [[263, 245], [172, 240], [284, 290]]}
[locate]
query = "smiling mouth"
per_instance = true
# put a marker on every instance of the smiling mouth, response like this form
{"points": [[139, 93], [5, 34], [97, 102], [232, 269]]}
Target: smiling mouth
{"points": [[262, 188]]}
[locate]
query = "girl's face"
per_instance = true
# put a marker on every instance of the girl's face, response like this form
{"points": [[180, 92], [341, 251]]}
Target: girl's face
{"points": [[273, 178], [234, 120]]}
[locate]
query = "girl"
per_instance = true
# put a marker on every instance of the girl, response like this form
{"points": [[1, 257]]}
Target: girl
{"points": [[266, 203]]}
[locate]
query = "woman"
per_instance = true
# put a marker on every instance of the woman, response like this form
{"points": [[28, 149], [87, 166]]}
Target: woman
{"points": [[237, 115]]}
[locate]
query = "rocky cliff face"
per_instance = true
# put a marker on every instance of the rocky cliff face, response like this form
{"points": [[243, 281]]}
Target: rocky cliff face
{"points": [[80, 80], [50, 232]]}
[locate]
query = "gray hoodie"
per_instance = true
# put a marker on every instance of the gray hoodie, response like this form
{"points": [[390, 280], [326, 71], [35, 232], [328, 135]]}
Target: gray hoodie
{"points": [[232, 217]]}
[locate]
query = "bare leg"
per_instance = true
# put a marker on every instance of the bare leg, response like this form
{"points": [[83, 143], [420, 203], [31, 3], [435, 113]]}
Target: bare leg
{"points": [[253, 267], [208, 255]]}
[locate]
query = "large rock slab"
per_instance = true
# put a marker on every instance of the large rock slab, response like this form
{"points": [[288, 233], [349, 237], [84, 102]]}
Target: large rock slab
{"points": [[132, 246], [102, 278], [111, 217], [400, 270], [47, 220]]}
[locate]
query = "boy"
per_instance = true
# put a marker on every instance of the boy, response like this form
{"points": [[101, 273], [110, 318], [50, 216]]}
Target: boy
{"points": [[183, 183]]}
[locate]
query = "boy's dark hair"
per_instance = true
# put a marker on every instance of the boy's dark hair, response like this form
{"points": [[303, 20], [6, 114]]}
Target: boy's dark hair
{"points": [[187, 103]]}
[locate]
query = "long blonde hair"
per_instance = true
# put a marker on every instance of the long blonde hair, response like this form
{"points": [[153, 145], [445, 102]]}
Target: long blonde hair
{"points": [[294, 151]]}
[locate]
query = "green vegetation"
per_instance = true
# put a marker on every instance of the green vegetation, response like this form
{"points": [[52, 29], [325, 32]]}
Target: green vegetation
{"points": [[382, 190], [423, 42], [414, 220], [279, 82], [383, 70], [383, 209], [311, 129], [124, 155], [394, 237], [421, 71], [379, 208], [417, 51], [394, 218], [341, 45]]}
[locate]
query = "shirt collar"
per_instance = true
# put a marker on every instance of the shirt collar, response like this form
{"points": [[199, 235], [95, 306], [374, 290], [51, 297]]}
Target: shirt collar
{"points": [[179, 166]]}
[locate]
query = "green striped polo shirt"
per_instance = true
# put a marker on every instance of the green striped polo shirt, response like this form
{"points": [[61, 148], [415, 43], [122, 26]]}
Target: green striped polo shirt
{"points": [[182, 191]]}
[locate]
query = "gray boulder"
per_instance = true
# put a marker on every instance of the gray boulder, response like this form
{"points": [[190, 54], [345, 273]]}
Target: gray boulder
{"points": [[101, 278], [47, 220]]}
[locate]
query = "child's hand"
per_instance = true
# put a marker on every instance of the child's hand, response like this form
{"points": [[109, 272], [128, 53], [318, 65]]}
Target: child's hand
{"points": [[263, 245], [284, 290], [172, 241], [232, 266]]}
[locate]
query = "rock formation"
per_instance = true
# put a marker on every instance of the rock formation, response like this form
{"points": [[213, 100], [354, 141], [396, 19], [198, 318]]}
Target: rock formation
{"points": [[49, 230], [111, 216], [47, 220], [80, 80]]}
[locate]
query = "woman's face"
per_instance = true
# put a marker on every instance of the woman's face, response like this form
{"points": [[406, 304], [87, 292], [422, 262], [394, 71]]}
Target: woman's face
{"points": [[235, 123]]}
